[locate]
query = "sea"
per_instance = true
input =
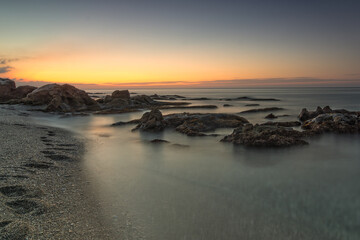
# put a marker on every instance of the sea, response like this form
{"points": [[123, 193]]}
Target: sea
{"points": [[198, 188]]}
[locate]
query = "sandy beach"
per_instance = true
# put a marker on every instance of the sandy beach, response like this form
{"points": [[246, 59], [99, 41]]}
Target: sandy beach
{"points": [[44, 193]]}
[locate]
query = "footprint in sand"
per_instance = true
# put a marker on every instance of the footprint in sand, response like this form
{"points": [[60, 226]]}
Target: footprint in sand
{"points": [[25, 206], [13, 230]]}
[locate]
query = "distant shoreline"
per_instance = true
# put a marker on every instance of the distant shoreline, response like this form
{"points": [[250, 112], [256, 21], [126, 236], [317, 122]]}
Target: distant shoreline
{"points": [[44, 190]]}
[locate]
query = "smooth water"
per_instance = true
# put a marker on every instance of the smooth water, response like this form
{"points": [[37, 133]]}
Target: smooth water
{"points": [[213, 190]]}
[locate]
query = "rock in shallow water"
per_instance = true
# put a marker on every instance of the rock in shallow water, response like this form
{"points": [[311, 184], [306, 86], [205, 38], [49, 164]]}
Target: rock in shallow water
{"points": [[265, 136]]}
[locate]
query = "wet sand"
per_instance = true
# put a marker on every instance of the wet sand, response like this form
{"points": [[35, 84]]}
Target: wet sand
{"points": [[44, 192]]}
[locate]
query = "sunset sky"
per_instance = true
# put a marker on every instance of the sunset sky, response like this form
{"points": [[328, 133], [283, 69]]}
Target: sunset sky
{"points": [[181, 43]]}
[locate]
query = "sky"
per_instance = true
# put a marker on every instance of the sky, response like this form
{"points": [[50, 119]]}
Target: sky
{"points": [[227, 43]]}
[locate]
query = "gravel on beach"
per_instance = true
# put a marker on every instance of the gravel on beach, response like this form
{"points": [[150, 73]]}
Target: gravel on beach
{"points": [[44, 192]]}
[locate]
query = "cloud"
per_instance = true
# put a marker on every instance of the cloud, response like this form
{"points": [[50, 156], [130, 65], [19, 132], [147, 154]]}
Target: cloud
{"points": [[8, 60], [5, 69]]}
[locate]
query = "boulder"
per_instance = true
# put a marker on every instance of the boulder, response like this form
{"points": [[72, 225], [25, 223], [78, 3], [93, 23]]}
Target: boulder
{"points": [[124, 94], [151, 121], [22, 91], [61, 98], [116, 103], [191, 124], [333, 122], [6, 87], [265, 136]]}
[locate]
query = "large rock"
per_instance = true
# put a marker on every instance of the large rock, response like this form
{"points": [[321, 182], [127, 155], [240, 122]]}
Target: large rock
{"points": [[22, 91], [151, 121], [61, 98], [124, 94], [265, 136], [195, 124], [333, 122], [6, 87], [8, 90], [191, 124]]}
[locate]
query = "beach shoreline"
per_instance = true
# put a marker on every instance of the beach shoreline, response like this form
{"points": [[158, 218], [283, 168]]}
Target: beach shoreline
{"points": [[45, 192]]}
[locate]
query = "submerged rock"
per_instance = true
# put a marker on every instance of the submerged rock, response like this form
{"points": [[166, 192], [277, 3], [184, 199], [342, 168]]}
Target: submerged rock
{"points": [[269, 109], [270, 116], [265, 136]]}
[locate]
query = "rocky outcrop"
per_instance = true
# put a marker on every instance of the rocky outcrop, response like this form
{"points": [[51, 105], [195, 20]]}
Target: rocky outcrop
{"points": [[306, 115], [124, 94], [265, 136], [191, 124], [333, 122], [151, 121], [22, 91], [8, 90], [196, 124], [6, 87], [61, 98]]}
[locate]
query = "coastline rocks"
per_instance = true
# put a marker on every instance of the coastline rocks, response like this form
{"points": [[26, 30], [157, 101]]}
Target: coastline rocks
{"points": [[194, 124], [6, 87], [124, 94], [333, 122], [151, 121], [61, 98], [306, 115], [191, 124], [265, 136], [8, 90], [22, 91]]}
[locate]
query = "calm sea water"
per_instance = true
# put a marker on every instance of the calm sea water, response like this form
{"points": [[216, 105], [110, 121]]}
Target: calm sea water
{"points": [[213, 190]]}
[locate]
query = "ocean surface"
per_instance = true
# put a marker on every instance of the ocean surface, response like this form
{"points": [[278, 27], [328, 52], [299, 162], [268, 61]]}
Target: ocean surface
{"points": [[213, 190]]}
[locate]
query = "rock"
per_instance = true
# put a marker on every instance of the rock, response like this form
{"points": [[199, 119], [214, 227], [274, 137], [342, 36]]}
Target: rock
{"points": [[115, 111], [8, 90], [151, 121], [107, 99], [143, 100], [159, 141], [265, 136], [6, 87], [252, 105], [22, 91], [249, 99], [124, 94], [61, 98], [195, 124], [304, 115], [227, 105], [117, 103], [271, 116], [191, 124], [269, 109], [188, 107], [333, 122], [307, 115], [283, 124]]}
